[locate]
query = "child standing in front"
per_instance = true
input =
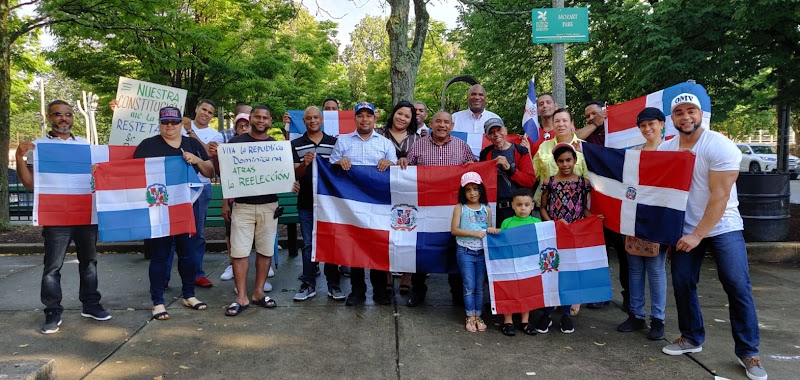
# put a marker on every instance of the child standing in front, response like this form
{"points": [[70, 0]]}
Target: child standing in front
{"points": [[522, 204], [564, 197], [471, 221]]}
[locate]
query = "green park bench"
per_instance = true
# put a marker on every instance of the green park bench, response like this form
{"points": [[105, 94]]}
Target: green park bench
{"points": [[290, 216], [20, 201]]}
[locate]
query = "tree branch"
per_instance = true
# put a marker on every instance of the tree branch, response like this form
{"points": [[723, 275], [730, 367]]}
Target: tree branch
{"points": [[20, 5], [482, 6]]}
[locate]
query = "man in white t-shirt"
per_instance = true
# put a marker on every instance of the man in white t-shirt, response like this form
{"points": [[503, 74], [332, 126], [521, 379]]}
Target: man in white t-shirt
{"points": [[712, 224], [202, 132], [471, 121]]}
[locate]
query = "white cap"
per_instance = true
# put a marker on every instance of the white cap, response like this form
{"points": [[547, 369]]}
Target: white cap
{"points": [[471, 177], [685, 98]]}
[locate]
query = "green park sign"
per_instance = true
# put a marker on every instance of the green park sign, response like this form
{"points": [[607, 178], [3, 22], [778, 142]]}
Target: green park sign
{"points": [[560, 25]]}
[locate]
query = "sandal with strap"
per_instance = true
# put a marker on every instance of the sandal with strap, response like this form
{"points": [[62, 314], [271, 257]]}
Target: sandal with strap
{"points": [[508, 329], [194, 303], [235, 309], [158, 314], [266, 302], [480, 324], [528, 328], [469, 325]]}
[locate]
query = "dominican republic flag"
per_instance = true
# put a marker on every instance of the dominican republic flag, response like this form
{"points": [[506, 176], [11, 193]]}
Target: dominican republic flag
{"points": [[334, 123], [621, 129], [145, 198], [529, 124], [640, 193], [396, 220], [547, 264], [63, 187]]}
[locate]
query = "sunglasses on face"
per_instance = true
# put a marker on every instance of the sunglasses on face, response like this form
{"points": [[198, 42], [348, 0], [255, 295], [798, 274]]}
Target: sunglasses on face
{"points": [[171, 122], [59, 114]]}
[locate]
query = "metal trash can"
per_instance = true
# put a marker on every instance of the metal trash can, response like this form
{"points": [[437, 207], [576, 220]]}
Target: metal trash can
{"points": [[764, 205]]}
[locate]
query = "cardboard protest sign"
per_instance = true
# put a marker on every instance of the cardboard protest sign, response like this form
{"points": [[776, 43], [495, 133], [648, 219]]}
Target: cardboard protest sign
{"points": [[136, 115], [256, 168]]}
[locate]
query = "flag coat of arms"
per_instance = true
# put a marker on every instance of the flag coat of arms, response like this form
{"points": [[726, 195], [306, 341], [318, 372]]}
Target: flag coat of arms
{"points": [[547, 264], [621, 129], [63, 186], [396, 220], [334, 123], [640, 193], [145, 198]]}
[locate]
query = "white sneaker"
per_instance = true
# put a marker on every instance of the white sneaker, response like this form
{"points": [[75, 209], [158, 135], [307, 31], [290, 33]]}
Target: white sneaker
{"points": [[271, 272], [267, 287], [280, 248], [227, 275]]}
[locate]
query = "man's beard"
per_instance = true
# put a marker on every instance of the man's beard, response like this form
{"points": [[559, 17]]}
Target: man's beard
{"points": [[689, 132], [57, 129]]}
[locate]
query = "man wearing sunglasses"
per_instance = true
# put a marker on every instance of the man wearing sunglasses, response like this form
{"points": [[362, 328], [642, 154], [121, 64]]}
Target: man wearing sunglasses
{"points": [[58, 238]]}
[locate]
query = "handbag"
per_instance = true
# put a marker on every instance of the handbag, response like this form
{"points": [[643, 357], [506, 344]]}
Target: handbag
{"points": [[641, 247]]}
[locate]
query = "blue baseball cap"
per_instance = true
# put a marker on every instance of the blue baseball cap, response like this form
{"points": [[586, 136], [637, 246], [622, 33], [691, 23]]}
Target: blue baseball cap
{"points": [[364, 105]]}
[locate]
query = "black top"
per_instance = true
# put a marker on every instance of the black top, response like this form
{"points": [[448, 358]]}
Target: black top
{"points": [[256, 199], [156, 147], [301, 146]]}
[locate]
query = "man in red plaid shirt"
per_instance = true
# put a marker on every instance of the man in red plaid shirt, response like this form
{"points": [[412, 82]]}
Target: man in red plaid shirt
{"points": [[437, 149]]}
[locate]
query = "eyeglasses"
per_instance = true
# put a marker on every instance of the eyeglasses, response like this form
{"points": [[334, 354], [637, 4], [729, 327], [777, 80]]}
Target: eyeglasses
{"points": [[171, 122], [59, 114]]}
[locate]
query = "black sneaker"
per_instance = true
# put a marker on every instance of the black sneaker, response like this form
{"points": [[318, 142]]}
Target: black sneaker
{"points": [[415, 300], [381, 299], [508, 329], [51, 322], [656, 329], [566, 324], [354, 299], [543, 325], [632, 324], [98, 314]]}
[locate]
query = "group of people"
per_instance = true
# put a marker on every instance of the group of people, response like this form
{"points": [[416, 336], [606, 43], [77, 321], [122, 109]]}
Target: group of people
{"points": [[536, 180]]}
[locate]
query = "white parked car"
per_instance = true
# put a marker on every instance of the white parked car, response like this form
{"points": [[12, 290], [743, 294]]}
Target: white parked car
{"points": [[764, 158]]}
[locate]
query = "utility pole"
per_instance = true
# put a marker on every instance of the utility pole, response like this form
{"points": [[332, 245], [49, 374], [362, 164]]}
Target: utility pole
{"points": [[559, 71]]}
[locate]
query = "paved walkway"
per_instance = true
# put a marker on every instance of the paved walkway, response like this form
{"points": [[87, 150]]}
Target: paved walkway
{"points": [[321, 338]]}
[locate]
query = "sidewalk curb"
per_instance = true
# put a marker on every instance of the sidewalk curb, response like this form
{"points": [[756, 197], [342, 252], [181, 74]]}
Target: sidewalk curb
{"points": [[779, 252]]}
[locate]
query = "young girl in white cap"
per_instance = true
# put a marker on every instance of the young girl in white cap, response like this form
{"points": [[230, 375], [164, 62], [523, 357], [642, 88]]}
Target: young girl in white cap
{"points": [[472, 219]]}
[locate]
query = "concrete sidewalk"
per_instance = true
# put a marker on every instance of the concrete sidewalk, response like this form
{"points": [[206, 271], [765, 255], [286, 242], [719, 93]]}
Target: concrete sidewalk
{"points": [[323, 339]]}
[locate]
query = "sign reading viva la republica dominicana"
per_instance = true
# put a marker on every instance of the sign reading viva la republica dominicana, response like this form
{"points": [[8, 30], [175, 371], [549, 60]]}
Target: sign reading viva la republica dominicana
{"points": [[136, 115], [256, 168], [560, 25]]}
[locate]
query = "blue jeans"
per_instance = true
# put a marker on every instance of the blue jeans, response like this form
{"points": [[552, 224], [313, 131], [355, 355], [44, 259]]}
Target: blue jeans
{"points": [[161, 253], [656, 275], [309, 276], [473, 274], [730, 255], [56, 241], [197, 242]]}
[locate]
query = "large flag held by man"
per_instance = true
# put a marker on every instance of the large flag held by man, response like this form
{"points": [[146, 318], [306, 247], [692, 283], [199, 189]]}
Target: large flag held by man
{"points": [[334, 123], [547, 264], [397, 220], [145, 198], [621, 129], [640, 193], [64, 193]]}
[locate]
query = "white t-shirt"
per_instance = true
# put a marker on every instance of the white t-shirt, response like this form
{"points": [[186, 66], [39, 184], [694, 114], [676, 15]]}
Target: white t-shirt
{"points": [[206, 135], [713, 152], [465, 121]]}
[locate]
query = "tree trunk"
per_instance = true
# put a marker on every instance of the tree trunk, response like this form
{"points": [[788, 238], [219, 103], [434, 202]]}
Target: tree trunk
{"points": [[5, 112], [404, 60]]}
